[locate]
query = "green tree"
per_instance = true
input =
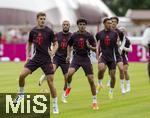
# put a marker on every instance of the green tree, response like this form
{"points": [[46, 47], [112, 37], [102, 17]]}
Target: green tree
{"points": [[120, 7]]}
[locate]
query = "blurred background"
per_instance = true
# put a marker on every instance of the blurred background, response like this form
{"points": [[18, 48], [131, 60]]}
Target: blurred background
{"points": [[17, 17]]}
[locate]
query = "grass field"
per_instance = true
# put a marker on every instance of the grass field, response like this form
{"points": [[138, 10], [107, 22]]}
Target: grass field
{"points": [[135, 104]]}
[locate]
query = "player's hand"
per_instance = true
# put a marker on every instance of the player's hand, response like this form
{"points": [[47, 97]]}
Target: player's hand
{"points": [[68, 59], [120, 51], [51, 53], [27, 59], [119, 43], [88, 44], [98, 56]]}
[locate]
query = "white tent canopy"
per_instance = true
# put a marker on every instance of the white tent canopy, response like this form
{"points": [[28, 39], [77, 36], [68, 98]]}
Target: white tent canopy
{"points": [[57, 10], [29, 5]]}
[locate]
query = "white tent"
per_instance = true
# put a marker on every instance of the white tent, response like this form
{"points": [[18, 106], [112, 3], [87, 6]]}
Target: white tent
{"points": [[24, 11], [29, 5]]}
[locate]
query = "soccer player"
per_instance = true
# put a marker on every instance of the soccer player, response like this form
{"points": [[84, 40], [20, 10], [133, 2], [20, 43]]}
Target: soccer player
{"points": [[146, 43], [59, 59], [107, 41], [82, 42], [42, 37], [119, 49], [126, 49]]}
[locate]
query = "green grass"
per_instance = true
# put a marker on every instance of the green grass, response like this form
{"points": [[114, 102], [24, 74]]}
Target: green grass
{"points": [[135, 104]]}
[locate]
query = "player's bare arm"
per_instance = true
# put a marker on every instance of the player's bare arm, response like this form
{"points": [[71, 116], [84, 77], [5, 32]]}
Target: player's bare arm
{"points": [[90, 46], [97, 49], [55, 47], [68, 53], [123, 43], [119, 45], [28, 51], [128, 49]]}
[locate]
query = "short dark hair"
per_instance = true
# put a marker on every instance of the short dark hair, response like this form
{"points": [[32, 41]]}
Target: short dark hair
{"points": [[40, 14], [81, 20], [115, 18], [106, 19]]}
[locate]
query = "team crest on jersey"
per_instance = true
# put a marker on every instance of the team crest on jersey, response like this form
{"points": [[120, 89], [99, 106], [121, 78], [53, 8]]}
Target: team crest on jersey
{"points": [[81, 43], [63, 43], [39, 38], [107, 40]]}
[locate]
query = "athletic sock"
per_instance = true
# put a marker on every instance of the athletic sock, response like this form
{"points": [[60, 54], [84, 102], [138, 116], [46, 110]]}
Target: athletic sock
{"points": [[100, 82], [128, 83], [94, 99], [55, 101], [122, 84], [68, 85], [111, 90], [21, 89]]}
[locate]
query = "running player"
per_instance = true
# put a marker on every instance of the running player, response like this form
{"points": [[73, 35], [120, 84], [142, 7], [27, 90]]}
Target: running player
{"points": [[82, 42], [107, 41], [126, 49], [119, 49], [42, 37], [59, 60]]}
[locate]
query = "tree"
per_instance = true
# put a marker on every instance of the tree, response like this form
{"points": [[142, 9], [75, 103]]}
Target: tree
{"points": [[120, 7]]}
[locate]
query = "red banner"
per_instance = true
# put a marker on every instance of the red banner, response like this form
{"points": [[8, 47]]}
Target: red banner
{"points": [[12, 51]]}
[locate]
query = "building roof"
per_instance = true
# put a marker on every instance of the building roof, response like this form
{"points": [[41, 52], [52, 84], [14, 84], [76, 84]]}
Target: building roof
{"points": [[138, 14], [57, 11]]}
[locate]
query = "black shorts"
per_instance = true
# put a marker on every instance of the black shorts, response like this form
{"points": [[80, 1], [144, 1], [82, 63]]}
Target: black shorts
{"points": [[125, 60], [84, 62], [119, 58], [45, 65], [110, 64], [62, 63]]}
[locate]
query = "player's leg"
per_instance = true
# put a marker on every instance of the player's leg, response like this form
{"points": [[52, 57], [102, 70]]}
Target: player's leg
{"points": [[50, 79], [93, 90], [63, 97], [126, 75], [49, 72], [112, 82], [43, 77], [112, 68], [65, 81], [28, 69], [108, 83], [101, 71], [71, 72], [88, 69], [24, 73], [74, 66], [64, 68], [121, 73]]}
